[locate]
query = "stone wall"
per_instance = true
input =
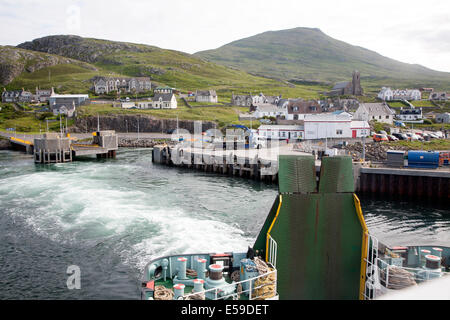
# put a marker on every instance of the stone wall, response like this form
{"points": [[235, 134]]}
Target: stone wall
{"points": [[129, 123]]}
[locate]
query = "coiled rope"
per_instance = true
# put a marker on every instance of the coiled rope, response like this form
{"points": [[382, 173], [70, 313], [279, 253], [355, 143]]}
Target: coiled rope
{"points": [[162, 293], [264, 286]]}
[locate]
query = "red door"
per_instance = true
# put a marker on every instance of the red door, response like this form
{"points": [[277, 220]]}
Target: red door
{"points": [[354, 134]]}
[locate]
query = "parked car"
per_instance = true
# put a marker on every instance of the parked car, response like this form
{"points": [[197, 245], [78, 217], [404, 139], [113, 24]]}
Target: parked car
{"points": [[413, 137], [392, 138], [400, 136], [380, 138], [384, 133], [434, 135]]}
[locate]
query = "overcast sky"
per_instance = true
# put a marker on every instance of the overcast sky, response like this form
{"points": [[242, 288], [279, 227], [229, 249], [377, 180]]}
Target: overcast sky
{"points": [[410, 31]]}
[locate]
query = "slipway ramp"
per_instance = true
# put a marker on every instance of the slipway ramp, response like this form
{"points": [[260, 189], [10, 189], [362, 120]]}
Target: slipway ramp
{"points": [[315, 233]]}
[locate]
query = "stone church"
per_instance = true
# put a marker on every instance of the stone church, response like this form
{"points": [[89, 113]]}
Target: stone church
{"points": [[348, 87]]}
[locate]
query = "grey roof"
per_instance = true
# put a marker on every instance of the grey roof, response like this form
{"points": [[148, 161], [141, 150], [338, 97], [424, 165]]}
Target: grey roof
{"points": [[164, 96], [376, 108], [206, 93], [341, 85], [411, 111], [266, 107]]}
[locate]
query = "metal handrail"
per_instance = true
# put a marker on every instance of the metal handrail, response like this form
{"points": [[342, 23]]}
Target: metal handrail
{"points": [[273, 248]]}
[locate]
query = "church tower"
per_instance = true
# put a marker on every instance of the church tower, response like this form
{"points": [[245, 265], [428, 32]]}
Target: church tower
{"points": [[356, 84]]}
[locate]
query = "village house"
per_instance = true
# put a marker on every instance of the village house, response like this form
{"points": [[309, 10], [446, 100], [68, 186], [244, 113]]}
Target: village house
{"points": [[439, 96], [282, 132], [68, 110], [407, 94], [206, 96], [321, 126], [241, 100], [106, 85], [42, 95], [67, 103], [386, 94], [412, 115], [374, 112], [17, 96], [249, 100], [348, 87], [160, 101], [297, 109], [267, 110], [443, 118], [318, 126]]}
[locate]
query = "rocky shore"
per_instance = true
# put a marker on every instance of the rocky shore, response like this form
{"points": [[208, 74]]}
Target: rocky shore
{"points": [[374, 151], [141, 143], [4, 144]]}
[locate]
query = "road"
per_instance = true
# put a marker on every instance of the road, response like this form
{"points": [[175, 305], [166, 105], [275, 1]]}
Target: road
{"points": [[142, 135]]}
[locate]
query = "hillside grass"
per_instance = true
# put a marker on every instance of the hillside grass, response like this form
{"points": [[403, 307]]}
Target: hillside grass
{"points": [[26, 122], [221, 115]]}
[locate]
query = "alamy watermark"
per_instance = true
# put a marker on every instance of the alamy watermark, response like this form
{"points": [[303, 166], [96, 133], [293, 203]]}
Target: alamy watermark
{"points": [[239, 145], [74, 279]]}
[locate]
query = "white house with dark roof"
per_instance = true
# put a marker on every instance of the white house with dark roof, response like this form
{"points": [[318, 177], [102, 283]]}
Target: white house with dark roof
{"points": [[268, 110], [206, 96], [159, 101], [412, 115], [106, 85], [374, 112], [17, 96]]}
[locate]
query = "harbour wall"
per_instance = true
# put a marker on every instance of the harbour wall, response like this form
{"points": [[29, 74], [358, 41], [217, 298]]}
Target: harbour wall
{"points": [[402, 183]]}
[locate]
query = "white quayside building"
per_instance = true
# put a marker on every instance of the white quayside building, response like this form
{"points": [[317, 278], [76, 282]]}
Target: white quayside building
{"points": [[318, 126]]}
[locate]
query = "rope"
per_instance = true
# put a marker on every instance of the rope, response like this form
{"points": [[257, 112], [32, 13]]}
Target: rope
{"points": [[264, 286], [162, 293], [399, 278], [191, 273], [199, 296]]}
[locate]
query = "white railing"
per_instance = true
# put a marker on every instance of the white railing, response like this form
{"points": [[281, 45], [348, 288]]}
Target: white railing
{"points": [[273, 248], [255, 288], [372, 275], [381, 276], [392, 278]]}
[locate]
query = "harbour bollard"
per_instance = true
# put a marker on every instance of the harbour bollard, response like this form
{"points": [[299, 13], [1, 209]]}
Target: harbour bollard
{"points": [[198, 285], [201, 269], [437, 252], [423, 260], [178, 290], [182, 268]]}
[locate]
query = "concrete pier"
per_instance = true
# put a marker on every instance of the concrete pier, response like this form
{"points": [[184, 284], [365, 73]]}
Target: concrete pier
{"points": [[263, 165], [52, 148]]}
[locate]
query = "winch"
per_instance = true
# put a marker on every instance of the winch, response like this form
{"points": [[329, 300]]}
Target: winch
{"points": [[216, 280]]}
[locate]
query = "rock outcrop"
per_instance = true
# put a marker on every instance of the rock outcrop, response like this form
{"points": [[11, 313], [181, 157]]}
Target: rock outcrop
{"points": [[87, 50], [14, 61]]}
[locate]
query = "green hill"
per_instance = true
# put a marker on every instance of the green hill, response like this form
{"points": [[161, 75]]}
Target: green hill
{"points": [[305, 54], [16, 63], [174, 68]]}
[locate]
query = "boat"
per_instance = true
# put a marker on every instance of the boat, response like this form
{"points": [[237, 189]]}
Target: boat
{"points": [[314, 245]]}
